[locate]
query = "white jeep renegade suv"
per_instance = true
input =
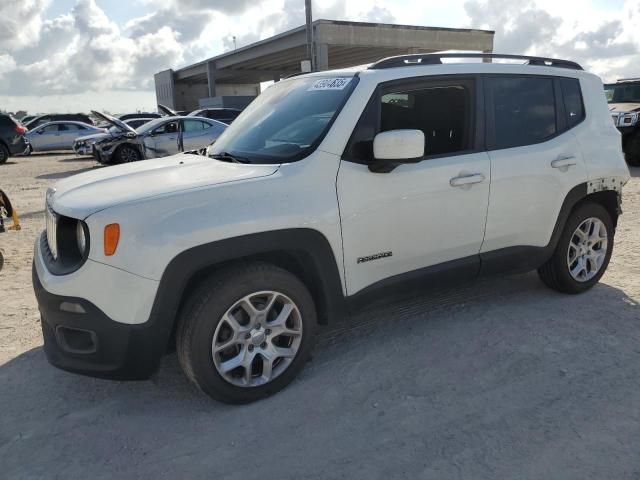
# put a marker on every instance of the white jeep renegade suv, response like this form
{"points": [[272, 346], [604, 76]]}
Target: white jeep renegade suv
{"points": [[330, 188]]}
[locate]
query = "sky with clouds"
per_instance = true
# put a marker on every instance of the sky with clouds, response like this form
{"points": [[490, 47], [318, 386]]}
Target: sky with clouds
{"points": [[76, 55]]}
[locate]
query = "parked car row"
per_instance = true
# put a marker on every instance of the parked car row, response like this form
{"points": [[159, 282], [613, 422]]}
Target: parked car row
{"points": [[110, 139]]}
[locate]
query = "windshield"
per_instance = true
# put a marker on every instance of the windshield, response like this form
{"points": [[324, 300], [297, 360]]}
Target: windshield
{"points": [[623, 93], [285, 122]]}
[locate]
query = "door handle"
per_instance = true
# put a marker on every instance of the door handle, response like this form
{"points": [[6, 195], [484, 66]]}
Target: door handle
{"points": [[466, 180], [564, 162]]}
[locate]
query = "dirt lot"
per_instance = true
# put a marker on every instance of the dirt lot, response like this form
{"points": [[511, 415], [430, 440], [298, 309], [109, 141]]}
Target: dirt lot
{"points": [[501, 379]]}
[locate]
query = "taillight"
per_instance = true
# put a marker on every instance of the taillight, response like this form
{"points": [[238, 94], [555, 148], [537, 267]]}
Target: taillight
{"points": [[20, 130]]}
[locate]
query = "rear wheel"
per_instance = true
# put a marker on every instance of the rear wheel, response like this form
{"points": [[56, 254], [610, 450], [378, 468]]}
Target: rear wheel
{"points": [[128, 153], [583, 251], [632, 150], [246, 332], [4, 154]]}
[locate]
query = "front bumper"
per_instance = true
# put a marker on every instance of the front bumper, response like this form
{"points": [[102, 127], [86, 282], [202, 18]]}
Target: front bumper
{"points": [[83, 149], [81, 338], [106, 327]]}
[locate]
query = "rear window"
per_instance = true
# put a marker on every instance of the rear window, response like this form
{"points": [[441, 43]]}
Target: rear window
{"points": [[524, 110], [572, 97], [7, 121]]}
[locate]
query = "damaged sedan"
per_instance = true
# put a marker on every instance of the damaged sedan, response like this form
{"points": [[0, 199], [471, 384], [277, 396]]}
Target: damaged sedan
{"points": [[158, 138]]}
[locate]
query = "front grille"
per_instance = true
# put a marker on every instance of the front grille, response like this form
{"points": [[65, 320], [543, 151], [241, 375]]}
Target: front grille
{"points": [[51, 220]]}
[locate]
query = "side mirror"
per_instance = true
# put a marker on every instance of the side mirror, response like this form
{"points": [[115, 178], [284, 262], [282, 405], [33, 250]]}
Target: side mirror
{"points": [[395, 147]]}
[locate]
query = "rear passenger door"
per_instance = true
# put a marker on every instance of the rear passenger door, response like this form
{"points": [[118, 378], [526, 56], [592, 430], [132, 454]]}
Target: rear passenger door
{"points": [[535, 157], [68, 133], [423, 213], [196, 134]]}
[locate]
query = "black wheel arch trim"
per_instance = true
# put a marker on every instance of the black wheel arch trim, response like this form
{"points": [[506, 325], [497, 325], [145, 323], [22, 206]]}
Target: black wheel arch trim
{"points": [[308, 247], [520, 259]]}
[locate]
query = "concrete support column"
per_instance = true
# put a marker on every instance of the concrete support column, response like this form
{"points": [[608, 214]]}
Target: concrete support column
{"points": [[487, 60], [211, 79], [322, 56]]}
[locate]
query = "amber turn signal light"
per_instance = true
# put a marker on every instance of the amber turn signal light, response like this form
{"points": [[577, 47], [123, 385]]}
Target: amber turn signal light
{"points": [[111, 238]]}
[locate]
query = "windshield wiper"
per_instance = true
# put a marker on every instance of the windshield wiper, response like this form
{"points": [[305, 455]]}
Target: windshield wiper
{"points": [[227, 157]]}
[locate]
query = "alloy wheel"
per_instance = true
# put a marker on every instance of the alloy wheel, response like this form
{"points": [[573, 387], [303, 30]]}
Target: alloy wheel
{"points": [[128, 155], [587, 249], [257, 339]]}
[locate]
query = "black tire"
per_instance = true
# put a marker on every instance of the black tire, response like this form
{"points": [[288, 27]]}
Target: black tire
{"points": [[555, 273], [128, 153], [632, 150], [4, 154], [6, 203], [204, 311]]}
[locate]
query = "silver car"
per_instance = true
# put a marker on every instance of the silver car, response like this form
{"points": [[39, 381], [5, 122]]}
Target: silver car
{"points": [[58, 135], [159, 138], [85, 145]]}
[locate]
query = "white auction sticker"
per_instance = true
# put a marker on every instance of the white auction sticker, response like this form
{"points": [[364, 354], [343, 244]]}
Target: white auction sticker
{"points": [[330, 83]]}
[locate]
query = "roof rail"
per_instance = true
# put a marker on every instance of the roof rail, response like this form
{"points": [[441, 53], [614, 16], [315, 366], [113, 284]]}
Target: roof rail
{"points": [[637, 79], [436, 59]]}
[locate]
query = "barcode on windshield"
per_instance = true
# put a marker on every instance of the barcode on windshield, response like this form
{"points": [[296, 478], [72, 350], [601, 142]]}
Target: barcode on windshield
{"points": [[330, 83]]}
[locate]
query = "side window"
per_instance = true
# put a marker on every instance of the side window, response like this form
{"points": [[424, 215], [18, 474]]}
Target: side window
{"points": [[52, 128], [524, 110], [442, 112], [572, 97], [445, 111], [169, 127], [195, 126]]}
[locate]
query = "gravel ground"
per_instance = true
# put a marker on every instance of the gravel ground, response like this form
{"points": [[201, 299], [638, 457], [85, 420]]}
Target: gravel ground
{"points": [[500, 379]]}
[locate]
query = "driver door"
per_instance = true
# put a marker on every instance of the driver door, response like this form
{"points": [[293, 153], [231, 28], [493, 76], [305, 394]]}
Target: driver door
{"points": [[425, 213], [163, 140]]}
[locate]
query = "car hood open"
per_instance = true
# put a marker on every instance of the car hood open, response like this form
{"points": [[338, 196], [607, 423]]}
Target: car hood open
{"points": [[87, 193], [114, 121], [624, 107]]}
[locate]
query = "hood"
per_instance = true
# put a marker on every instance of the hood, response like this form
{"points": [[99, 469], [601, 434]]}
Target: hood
{"points": [[114, 121], [87, 193], [624, 107], [166, 111]]}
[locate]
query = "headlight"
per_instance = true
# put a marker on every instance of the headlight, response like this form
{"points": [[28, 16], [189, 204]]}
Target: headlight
{"points": [[81, 237], [627, 120]]}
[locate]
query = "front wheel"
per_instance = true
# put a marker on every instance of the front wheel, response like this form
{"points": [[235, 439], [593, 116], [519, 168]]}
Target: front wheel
{"points": [[246, 332], [583, 251], [127, 154]]}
